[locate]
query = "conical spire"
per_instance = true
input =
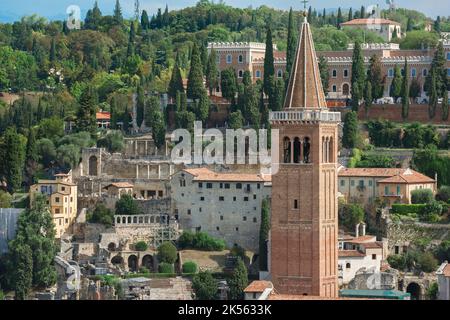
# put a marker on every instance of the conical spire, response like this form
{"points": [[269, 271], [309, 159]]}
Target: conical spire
{"points": [[305, 85]]}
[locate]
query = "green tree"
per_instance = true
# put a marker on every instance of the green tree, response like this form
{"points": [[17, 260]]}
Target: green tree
{"points": [[433, 93], [269, 69], [155, 120], [167, 252], [131, 41], [195, 85], [113, 141], [31, 156], [238, 281], [340, 19], [22, 260], [445, 106], [228, 84], [145, 22], [190, 267], [415, 89], [176, 82], [433, 291], [102, 215], [264, 235], [405, 92], [396, 86], [437, 24], [351, 215], [14, 147], [86, 116], [127, 206], [422, 196], [376, 77], [118, 17], [358, 76], [140, 105], [324, 73], [68, 156], [52, 57], [368, 99], [5, 199], [350, 137], [202, 107], [205, 286], [236, 120], [141, 246], [212, 72], [291, 42]]}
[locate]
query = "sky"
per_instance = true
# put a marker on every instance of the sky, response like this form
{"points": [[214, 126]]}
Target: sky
{"points": [[11, 10]]}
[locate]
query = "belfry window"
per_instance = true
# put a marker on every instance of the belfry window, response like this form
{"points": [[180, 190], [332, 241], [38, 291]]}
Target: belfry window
{"points": [[287, 150], [306, 150], [297, 148]]}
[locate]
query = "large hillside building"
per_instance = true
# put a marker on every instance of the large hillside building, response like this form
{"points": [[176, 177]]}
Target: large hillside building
{"points": [[386, 29], [339, 63], [304, 220]]}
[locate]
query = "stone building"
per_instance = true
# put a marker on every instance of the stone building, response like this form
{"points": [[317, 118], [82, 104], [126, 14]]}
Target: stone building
{"points": [[383, 27], [226, 205], [392, 185], [62, 195], [304, 221], [443, 275]]}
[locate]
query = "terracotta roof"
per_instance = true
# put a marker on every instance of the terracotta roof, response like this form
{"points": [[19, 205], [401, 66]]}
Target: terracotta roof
{"points": [[56, 182], [103, 115], [408, 177], [370, 21], [446, 270], [305, 85], [120, 185], [370, 172], [204, 174], [350, 254], [373, 245], [258, 286], [363, 239]]}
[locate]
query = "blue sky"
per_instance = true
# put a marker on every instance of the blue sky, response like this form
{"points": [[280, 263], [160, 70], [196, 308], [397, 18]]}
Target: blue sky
{"points": [[55, 9]]}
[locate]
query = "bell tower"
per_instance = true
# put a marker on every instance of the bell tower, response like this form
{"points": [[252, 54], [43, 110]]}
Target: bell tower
{"points": [[304, 219]]}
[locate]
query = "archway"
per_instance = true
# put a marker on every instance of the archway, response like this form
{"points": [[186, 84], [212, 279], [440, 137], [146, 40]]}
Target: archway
{"points": [[297, 147], [132, 263], [147, 262], [345, 89], [287, 150], [112, 246], [93, 166], [117, 261], [415, 291], [306, 149]]}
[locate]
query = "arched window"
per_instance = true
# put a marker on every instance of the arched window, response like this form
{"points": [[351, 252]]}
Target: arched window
{"points": [[348, 266], [306, 150], [240, 74], [258, 74], [331, 150], [425, 72], [124, 220], [334, 73], [287, 150], [241, 58], [345, 73], [93, 166], [391, 73], [334, 88], [229, 58], [413, 72], [297, 146], [280, 73], [345, 89]]}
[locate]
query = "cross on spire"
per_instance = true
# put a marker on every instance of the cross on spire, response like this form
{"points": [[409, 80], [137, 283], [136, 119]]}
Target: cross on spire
{"points": [[304, 3]]}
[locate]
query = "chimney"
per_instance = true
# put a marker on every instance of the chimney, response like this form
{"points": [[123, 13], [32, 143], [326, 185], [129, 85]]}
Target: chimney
{"points": [[357, 231], [363, 229]]}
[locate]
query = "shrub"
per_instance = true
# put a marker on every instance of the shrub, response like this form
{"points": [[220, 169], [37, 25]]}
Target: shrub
{"points": [[101, 215], [426, 262], [144, 270], [431, 212], [141, 246], [200, 241], [127, 206], [186, 240], [444, 194], [166, 268], [405, 209], [421, 196], [167, 252], [432, 291], [397, 262], [190, 267], [351, 215], [205, 286]]}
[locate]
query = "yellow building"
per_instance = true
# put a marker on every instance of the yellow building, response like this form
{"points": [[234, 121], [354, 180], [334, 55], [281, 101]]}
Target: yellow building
{"points": [[62, 199], [392, 185]]}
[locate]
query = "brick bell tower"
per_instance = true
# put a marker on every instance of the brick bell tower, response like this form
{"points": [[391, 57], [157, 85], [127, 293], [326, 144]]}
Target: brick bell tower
{"points": [[304, 221]]}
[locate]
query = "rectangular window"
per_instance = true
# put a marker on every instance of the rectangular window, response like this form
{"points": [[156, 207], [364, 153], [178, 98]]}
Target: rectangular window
{"points": [[217, 228], [370, 183], [386, 190], [245, 198], [189, 212], [227, 186], [57, 199], [391, 73], [353, 183], [199, 209], [229, 58], [244, 218], [234, 198], [254, 197], [342, 183], [255, 220], [209, 185], [221, 186], [200, 185], [398, 190], [361, 183], [346, 73], [202, 198], [221, 218], [258, 186], [238, 185], [374, 257], [221, 198], [295, 204]]}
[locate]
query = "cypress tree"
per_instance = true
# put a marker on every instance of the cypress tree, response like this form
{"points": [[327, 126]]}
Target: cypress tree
{"points": [[445, 108], [363, 12], [52, 57], [409, 25], [437, 24], [131, 41], [176, 82], [396, 86], [340, 19], [145, 22], [238, 281], [195, 85], [165, 17], [358, 76], [32, 157], [140, 105], [211, 72], [291, 43], [350, 136], [86, 116], [204, 57], [14, 161], [368, 96], [264, 235], [155, 120], [118, 17], [376, 77], [202, 107], [433, 95], [269, 69], [350, 15], [405, 92], [22, 260]]}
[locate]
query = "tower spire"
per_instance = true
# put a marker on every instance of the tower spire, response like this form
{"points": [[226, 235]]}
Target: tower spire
{"points": [[305, 85]]}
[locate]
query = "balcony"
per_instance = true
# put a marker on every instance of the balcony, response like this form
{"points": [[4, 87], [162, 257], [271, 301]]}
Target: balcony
{"points": [[306, 115]]}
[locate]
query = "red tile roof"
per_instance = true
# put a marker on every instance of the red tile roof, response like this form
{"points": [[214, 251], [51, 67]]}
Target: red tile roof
{"points": [[204, 174], [370, 172], [370, 21], [373, 245], [103, 115], [120, 185], [408, 177], [447, 270], [350, 254], [363, 239], [258, 286]]}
